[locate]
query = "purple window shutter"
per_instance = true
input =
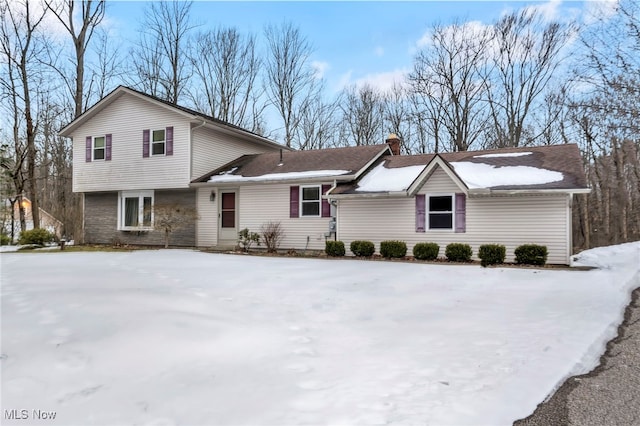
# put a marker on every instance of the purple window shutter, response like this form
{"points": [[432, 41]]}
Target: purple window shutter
{"points": [[107, 153], [461, 212], [145, 143], [88, 149], [169, 140], [294, 201], [326, 207], [420, 212]]}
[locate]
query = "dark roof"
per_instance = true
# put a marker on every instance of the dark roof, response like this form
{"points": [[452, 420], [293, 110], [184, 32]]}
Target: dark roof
{"points": [[350, 159], [565, 159]]}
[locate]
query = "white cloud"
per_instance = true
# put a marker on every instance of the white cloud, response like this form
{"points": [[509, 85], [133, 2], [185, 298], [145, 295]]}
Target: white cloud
{"points": [[383, 81], [378, 51], [548, 11], [319, 68], [600, 10]]}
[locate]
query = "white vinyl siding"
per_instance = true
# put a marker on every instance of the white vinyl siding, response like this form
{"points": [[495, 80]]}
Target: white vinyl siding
{"points": [[125, 118], [214, 148], [263, 203], [207, 223], [511, 221]]}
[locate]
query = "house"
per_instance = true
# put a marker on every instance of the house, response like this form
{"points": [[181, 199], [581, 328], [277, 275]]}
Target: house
{"points": [[47, 220], [508, 196], [132, 151]]}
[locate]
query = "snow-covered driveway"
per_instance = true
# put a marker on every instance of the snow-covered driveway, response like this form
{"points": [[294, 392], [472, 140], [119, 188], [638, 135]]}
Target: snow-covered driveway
{"points": [[181, 337]]}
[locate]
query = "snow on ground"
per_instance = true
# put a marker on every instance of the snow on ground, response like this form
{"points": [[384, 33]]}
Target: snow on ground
{"points": [[180, 337]]}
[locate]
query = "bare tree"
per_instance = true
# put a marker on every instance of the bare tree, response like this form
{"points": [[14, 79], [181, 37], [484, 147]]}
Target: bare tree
{"points": [[169, 218], [448, 75], [90, 15], [363, 115], [227, 66], [318, 123], [160, 59], [289, 76], [527, 54], [21, 47]]}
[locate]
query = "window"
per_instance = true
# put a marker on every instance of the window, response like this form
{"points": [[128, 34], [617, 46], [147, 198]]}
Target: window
{"points": [[310, 201], [135, 211], [99, 148], [158, 142], [441, 212]]}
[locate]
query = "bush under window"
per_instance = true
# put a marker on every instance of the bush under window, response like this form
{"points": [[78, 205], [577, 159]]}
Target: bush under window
{"points": [[426, 251], [458, 252]]}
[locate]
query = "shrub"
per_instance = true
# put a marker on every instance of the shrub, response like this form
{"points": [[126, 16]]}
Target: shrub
{"points": [[492, 254], [334, 248], [247, 238], [458, 252], [272, 235], [531, 254], [362, 248], [5, 240], [426, 251], [393, 249], [36, 236]]}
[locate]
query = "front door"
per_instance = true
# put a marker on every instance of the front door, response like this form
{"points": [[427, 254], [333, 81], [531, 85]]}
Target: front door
{"points": [[228, 218]]}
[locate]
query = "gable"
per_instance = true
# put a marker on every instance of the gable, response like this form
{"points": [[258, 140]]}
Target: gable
{"points": [[439, 182]]}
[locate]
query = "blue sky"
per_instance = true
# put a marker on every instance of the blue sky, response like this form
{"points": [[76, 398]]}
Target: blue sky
{"points": [[353, 42]]}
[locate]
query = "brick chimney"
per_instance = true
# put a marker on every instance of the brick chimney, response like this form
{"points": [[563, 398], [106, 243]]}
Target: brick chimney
{"points": [[394, 143]]}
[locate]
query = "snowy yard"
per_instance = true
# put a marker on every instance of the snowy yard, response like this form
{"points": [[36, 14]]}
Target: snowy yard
{"points": [[181, 337]]}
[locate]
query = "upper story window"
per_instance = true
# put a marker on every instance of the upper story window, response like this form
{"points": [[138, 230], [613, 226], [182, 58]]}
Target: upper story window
{"points": [[440, 212], [99, 148], [310, 200], [158, 142]]}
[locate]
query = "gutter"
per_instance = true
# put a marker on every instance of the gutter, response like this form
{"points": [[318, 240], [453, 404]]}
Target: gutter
{"points": [[247, 181]]}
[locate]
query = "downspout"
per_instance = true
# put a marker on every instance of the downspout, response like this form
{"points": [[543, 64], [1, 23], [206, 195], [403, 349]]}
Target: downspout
{"points": [[191, 169], [191, 144], [334, 186]]}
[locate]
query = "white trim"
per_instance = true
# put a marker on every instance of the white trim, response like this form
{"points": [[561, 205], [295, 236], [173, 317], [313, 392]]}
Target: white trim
{"points": [[163, 142], [569, 233], [141, 195], [428, 211], [93, 148], [301, 201]]}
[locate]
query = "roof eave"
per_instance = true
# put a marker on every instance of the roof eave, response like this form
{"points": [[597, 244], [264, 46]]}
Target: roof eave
{"points": [[387, 194], [340, 178], [538, 191]]}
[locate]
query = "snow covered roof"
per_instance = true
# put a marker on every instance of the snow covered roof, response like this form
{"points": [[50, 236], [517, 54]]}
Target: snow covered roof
{"points": [[556, 167], [335, 163]]}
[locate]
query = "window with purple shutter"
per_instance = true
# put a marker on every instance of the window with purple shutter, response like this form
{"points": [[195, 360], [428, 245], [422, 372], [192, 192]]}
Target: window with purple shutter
{"points": [[169, 140], [107, 147], [461, 212], [88, 149], [294, 201], [326, 207], [145, 143], [420, 212]]}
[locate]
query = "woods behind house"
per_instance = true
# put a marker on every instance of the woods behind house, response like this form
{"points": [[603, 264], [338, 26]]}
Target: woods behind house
{"points": [[524, 80]]}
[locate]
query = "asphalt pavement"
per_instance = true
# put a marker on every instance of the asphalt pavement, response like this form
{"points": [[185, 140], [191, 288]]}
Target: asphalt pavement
{"points": [[609, 394]]}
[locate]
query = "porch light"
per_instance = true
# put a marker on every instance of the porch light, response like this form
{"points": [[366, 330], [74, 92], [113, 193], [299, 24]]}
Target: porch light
{"points": [[212, 197]]}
